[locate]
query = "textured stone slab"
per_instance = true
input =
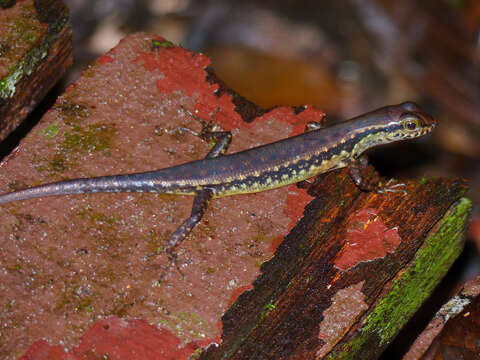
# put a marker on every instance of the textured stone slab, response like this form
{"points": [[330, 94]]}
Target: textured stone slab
{"points": [[69, 260]]}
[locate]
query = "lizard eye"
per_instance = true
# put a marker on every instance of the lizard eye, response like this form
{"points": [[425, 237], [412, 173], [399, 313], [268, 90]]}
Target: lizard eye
{"points": [[410, 122]]}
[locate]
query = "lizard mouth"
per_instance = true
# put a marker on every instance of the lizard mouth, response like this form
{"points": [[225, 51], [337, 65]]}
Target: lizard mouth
{"points": [[402, 134]]}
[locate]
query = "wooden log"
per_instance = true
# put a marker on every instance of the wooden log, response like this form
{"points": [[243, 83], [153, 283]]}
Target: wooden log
{"points": [[350, 275], [35, 51]]}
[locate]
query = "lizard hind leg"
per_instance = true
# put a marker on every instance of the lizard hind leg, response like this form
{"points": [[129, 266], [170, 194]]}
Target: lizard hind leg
{"points": [[200, 204], [221, 140]]}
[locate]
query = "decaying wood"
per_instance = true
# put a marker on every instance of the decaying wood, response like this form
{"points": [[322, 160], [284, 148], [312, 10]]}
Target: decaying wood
{"points": [[454, 331], [35, 51], [320, 297]]}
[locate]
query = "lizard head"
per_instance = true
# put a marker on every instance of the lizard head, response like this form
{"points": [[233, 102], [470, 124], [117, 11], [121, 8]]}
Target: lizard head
{"points": [[407, 121], [389, 124]]}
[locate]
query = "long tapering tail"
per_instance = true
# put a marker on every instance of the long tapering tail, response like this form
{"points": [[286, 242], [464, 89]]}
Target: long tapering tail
{"points": [[117, 183]]}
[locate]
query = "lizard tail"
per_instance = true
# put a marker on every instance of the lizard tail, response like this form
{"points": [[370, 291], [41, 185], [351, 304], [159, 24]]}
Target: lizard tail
{"points": [[103, 184]]}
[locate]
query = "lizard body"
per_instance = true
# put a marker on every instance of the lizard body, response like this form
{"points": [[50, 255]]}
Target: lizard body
{"points": [[257, 169]]}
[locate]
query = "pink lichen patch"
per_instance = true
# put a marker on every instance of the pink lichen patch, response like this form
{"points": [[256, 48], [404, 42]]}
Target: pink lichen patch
{"points": [[367, 238], [42, 350], [297, 199], [120, 339], [133, 338], [287, 115], [308, 115], [347, 305], [185, 71], [105, 59]]}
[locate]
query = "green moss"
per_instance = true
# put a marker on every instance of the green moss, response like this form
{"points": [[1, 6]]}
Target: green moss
{"points": [[23, 29], [165, 197], [76, 138], [28, 29], [14, 268], [51, 131], [258, 238], [414, 285], [94, 138], [83, 304], [196, 354], [20, 31], [57, 163], [73, 300], [102, 218], [267, 308], [185, 324], [156, 44], [16, 185], [7, 84], [72, 112], [105, 225], [25, 44]]}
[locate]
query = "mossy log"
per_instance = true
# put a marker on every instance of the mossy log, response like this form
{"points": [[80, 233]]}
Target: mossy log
{"points": [[35, 51], [351, 273]]}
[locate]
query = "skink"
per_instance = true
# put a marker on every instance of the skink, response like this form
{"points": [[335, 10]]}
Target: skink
{"points": [[266, 167]]}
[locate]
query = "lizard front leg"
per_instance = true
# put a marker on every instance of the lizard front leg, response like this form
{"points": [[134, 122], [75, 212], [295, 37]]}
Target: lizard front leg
{"points": [[355, 166]]}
